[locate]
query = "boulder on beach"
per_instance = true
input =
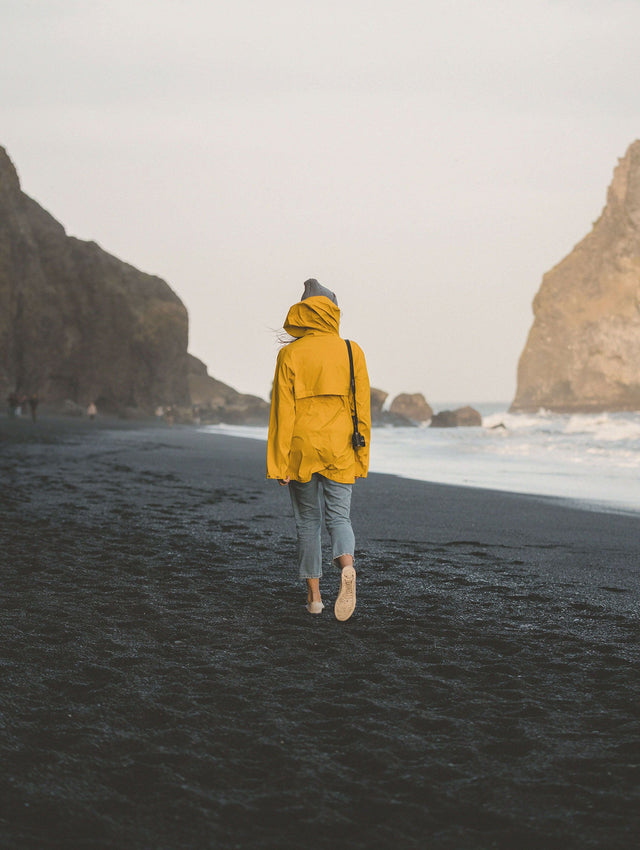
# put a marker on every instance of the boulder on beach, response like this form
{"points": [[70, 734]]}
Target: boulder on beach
{"points": [[462, 417], [411, 406], [386, 417], [378, 398], [583, 350]]}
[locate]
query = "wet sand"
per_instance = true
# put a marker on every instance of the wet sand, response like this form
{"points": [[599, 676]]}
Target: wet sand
{"points": [[163, 687]]}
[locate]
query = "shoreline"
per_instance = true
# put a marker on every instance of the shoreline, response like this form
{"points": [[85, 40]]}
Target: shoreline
{"points": [[56, 426], [387, 508], [587, 504]]}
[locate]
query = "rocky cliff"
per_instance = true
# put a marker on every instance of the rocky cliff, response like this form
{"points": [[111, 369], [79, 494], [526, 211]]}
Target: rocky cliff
{"points": [[583, 350], [79, 324]]}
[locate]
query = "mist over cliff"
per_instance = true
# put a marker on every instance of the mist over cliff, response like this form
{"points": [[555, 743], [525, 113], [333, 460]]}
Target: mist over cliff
{"points": [[583, 350]]}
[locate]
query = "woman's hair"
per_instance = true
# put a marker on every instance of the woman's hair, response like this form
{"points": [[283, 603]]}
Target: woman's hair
{"points": [[283, 338]]}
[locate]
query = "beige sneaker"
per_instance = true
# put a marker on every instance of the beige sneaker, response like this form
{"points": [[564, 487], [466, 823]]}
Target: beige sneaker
{"points": [[315, 607], [346, 600]]}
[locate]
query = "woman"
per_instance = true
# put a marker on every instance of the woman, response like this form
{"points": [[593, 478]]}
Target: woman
{"points": [[310, 445]]}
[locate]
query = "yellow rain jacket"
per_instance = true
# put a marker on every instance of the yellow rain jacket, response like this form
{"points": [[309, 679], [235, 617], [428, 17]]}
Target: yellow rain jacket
{"points": [[311, 424]]}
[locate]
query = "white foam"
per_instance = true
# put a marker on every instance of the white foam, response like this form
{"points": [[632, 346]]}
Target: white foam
{"points": [[591, 457]]}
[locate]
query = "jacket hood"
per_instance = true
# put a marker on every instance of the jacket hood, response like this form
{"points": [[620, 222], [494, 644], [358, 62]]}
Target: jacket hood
{"points": [[317, 313]]}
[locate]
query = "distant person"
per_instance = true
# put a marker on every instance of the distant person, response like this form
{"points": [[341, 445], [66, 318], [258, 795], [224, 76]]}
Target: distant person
{"points": [[33, 406], [13, 403], [312, 445], [92, 411]]}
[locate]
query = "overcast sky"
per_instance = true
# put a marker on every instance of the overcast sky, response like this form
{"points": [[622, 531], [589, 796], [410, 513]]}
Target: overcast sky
{"points": [[428, 160]]}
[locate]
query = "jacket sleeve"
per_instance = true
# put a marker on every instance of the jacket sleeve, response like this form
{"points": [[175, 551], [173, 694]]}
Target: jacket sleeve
{"points": [[281, 420], [363, 399]]}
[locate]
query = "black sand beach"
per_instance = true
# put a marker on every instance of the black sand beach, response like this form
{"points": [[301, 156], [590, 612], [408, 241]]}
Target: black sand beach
{"points": [[163, 686]]}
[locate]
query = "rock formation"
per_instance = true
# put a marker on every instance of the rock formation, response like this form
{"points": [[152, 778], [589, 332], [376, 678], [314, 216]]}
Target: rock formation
{"points": [[217, 402], [462, 417], [583, 350], [411, 406], [379, 416], [378, 398], [77, 323]]}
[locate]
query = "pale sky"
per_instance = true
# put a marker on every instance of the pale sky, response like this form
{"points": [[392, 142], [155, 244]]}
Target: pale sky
{"points": [[428, 160]]}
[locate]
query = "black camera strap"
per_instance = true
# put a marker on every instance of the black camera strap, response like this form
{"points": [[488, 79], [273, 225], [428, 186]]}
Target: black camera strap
{"points": [[353, 387]]}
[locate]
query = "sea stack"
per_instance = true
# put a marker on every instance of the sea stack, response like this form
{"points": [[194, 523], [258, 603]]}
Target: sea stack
{"points": [[583, 350], [77, 323]]}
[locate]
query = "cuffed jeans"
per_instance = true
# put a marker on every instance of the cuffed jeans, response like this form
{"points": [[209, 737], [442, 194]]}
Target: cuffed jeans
{"points": [[308, 500]]}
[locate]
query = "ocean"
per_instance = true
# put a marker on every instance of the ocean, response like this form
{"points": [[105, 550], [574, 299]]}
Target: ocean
{"points": [[593, 459]]}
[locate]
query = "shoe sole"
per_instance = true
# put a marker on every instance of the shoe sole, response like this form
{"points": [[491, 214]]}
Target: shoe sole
{"points": [[346, 599]]}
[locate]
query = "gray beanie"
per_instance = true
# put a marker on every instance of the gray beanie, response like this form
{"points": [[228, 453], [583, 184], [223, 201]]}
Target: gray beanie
{"points": [[312, 287]]}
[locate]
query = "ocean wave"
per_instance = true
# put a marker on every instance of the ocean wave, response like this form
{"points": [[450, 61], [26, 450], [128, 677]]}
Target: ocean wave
{"points": [[593, 457]]}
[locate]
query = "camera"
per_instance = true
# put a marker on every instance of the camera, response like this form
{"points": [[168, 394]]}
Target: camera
{"points": [[357, 440]]}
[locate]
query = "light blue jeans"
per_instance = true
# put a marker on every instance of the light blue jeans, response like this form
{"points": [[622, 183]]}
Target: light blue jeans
{"points": [[308, 500]]}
